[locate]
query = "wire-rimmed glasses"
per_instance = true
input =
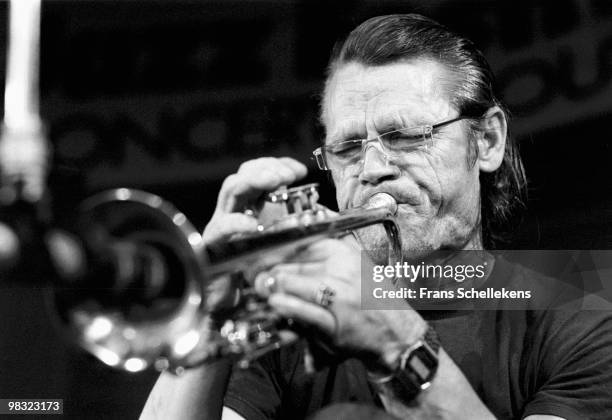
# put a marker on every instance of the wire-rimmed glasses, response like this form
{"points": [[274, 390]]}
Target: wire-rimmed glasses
{"points": [[393, 143]]}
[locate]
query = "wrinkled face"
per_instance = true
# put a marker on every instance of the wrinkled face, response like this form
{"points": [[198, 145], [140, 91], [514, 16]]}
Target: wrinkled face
{"points": [[436, 187]]}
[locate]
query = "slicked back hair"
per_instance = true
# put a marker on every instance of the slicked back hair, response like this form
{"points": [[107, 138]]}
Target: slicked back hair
{"points": [[393, 38]]}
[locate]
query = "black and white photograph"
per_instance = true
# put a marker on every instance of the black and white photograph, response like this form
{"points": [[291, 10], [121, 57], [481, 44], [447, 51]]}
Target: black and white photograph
{"points": [[306, 209]]}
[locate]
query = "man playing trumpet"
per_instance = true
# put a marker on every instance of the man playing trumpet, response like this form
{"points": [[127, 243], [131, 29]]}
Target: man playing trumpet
{"points": [[409, 110]]}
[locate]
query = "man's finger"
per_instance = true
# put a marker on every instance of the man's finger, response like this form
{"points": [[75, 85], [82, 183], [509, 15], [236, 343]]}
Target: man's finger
{"points": [[275, 169], [222, 227], [268, 283], [238, 190], [298, 167], [310, 268], [256, 176], [292, 307]]}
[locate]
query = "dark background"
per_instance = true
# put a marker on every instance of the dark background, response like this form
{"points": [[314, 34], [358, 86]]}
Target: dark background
{"points": [[170, 97]]}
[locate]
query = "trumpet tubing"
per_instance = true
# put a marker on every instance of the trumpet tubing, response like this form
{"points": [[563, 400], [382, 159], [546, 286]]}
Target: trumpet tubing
{"points": [[144, 297]]}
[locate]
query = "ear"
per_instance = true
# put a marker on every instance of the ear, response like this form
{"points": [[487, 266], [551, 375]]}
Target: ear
{"points": [[492, 140]]}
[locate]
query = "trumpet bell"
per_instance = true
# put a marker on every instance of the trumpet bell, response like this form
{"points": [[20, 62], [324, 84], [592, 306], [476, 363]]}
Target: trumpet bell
{"points": [[138, 301]]}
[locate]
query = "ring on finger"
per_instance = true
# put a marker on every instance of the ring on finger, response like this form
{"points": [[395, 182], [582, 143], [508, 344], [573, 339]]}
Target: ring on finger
{"points": [[270, 284], [250, 212], [325, 296]]}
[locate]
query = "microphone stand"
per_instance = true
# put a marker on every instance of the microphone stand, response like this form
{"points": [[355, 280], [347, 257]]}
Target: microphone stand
{"points": [[24, 151]]}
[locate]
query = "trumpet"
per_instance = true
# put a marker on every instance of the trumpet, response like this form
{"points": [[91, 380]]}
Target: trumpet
{"points": [[141, 299], [135, 277]]}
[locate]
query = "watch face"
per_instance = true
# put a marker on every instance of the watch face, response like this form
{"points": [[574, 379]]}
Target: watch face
{"points": [[418, 365], [423, 364], [419, 368]]}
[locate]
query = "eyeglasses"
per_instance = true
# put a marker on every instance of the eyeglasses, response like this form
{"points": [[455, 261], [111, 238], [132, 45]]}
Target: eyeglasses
{"points": [[394, 143]]}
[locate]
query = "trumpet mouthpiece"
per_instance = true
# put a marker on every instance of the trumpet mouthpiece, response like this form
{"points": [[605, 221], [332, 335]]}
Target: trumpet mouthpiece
{"points": [[382, 200]]}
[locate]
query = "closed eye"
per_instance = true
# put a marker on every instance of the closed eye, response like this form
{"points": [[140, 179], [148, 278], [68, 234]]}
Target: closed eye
{"points": [[344, 147], [404, 135]]}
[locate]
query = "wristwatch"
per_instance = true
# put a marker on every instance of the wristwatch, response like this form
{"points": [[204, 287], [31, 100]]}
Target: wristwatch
{"points": [[418, 364]]}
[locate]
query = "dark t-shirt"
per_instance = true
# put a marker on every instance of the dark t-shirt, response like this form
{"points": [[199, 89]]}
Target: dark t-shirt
{"points": [[519, 362]]}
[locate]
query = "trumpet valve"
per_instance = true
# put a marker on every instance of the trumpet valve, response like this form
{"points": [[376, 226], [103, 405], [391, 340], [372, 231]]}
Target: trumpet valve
{"points": [[300, 204], [298, 199]]}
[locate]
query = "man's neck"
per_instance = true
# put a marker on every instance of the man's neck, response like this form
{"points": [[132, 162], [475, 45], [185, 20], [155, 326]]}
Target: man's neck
{"points": [[470, 254]]}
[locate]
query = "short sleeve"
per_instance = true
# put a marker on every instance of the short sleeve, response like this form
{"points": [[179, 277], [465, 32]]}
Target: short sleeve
{"points": [[255, 392], [575, 372]]}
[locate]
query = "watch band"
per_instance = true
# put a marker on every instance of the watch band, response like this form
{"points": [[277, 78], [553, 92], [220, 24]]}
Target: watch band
{"points": [[431, 339], [418, 364]]}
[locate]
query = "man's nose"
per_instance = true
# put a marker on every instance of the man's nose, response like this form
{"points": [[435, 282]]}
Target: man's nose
{"points": [[376, 167]]}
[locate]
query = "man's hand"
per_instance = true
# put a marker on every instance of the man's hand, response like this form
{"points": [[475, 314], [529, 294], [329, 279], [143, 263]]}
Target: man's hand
{"points": [[244, 190], [240, 191], [377, 337], [198, 393]]}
